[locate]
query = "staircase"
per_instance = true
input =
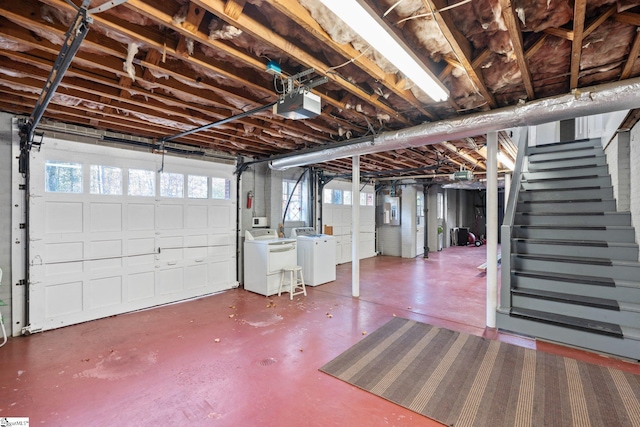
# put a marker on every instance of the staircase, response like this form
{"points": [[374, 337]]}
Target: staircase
{"points": [[571, 273]]}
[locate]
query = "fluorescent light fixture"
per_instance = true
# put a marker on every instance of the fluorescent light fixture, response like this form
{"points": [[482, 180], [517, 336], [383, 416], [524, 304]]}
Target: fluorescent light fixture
{"points": [[370, 27], [506, 162]]}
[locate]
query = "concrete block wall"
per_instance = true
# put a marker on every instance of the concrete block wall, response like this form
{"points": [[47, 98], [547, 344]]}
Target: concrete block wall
{"points": [[619, 162], [5, 217]]}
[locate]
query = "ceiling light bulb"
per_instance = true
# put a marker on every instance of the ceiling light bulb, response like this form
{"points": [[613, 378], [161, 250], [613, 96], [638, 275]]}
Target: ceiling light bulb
{"points": [[367, 25]]}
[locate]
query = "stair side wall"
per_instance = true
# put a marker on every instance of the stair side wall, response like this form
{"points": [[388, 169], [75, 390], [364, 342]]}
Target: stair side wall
{"points": [[619, 161], [634, 177]]}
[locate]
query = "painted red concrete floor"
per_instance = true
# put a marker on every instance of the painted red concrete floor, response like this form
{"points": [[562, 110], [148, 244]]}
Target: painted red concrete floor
{"points": [[240, 359]]}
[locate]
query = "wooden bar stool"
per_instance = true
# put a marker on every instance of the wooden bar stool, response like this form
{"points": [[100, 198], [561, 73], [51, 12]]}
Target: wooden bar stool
{"points": [[296, 284]]}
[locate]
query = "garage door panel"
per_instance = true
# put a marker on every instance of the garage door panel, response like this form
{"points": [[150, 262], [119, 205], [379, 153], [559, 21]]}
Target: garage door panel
{"points": [[171, 281], [141, 216], [218, 252], [63, 299], [220, 217], [63, 252], [141, 246], [105, 264], [105, 291], [63, 217], [64, 268], [220, 273], [196, 276], [106, 217], [141, 286], [221, 239], [197, 217], [170, 217]]}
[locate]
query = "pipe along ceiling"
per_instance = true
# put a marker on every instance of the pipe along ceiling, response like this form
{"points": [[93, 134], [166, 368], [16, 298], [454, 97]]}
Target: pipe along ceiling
{"points": [[580, 102]]}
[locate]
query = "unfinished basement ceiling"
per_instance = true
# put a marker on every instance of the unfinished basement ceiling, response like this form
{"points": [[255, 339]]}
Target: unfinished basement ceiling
{"points": [[155, 68]]}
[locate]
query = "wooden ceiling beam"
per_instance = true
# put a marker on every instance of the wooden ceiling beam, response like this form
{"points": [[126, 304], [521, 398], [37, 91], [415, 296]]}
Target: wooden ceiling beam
{"points": [[465, 156], [579, 10], [628, 18], [570, 35], [599, 20], [563, 33], [461, 47], [535, 47], [513, 27], [191, 24], [632, 58]]}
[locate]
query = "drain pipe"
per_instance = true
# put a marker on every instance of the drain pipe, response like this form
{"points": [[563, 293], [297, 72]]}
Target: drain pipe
{"points": [[580, 102]]}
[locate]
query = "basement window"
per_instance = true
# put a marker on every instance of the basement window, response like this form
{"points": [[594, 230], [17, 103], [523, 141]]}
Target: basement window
{"points": [[63, 177], [337, 197], [142, 183], [105, 180], [290, 190], [171, 185], [220, 188], [198, 187], [346, 197]]}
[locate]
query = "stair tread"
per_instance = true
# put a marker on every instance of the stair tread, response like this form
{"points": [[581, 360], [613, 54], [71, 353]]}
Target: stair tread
{"points": [[564, 277], [574, 213], [533, 202], [604, 303], [580, 260], [594, 187], [588, 325], [586, 156], [563, 178], [596, 243], [577, 227], [566, 143]]}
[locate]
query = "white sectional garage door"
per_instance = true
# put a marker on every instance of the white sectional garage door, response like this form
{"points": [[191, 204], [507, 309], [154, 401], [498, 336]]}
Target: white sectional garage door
{"points": [[110, 234], [336, 212]]}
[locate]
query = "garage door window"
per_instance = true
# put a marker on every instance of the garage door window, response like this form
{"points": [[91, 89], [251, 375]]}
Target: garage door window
{"points": [[197, 187], [220, 188], [171, 185], [142, 183], [63, 177], [106, 180]]}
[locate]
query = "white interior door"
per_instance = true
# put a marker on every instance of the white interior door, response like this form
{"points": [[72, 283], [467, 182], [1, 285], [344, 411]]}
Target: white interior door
{"points": [[108, 238]]}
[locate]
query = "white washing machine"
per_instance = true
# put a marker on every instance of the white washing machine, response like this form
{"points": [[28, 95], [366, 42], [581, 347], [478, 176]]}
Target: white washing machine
{"points": [[265, 255], [316, 255]]}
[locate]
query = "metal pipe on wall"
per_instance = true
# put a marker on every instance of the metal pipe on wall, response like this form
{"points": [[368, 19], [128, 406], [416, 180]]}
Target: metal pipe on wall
{"points": [[580, 102]]}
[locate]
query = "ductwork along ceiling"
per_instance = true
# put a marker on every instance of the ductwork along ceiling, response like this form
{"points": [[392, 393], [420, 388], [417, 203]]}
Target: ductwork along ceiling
{"points": [[154, 68]]}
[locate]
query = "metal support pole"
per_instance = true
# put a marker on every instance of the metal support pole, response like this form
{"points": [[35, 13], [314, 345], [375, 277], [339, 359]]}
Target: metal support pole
{"points": [[355, 226], [492, 228]]}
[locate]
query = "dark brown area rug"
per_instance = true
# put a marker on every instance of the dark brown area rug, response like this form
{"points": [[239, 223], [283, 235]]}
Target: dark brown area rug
{"points": [[465, 380]]}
